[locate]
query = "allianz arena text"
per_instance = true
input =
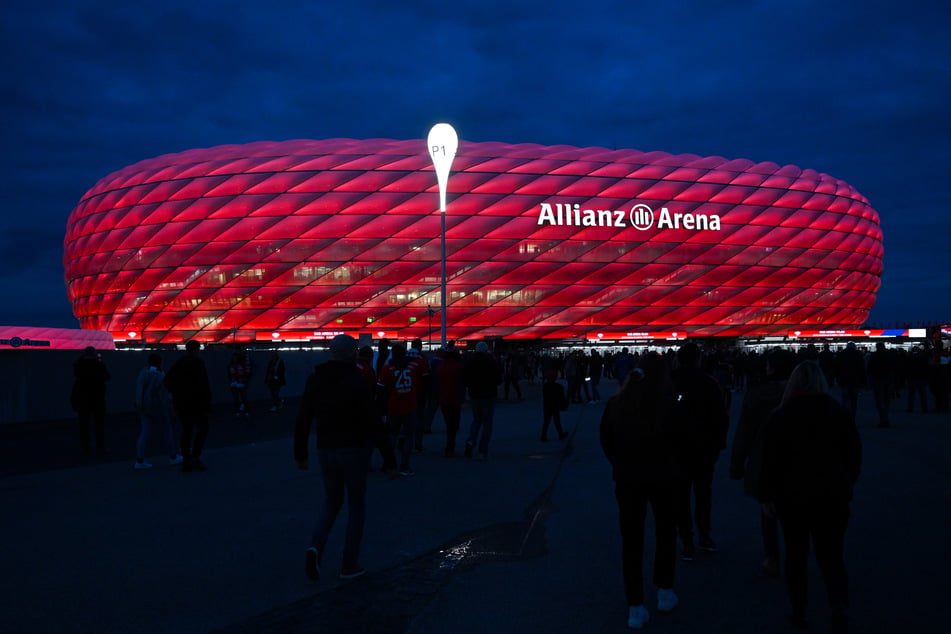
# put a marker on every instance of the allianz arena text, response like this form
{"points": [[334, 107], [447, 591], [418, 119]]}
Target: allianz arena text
{"points": [[304, 239]]}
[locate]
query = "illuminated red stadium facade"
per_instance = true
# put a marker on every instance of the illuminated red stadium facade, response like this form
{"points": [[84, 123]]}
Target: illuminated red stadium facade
{"points": [[305, 239]]}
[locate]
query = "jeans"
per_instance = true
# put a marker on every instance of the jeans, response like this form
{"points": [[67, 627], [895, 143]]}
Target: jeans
{"points": [[552, 416], [919, 387], [700, 483], [632, 500], [95, 418], [483, 410], [344, 470], [194, 432], [402, 430], [240, 397], [155, 420]]}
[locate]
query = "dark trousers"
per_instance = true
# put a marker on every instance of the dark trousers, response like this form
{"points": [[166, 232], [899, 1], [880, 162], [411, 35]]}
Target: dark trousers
{"points": [[402, 430], [452, 414], [94, 418], [917, 387], [344, 472], [699, 486], [825, 524], [194, 433], [552, 416], [632, 500]]}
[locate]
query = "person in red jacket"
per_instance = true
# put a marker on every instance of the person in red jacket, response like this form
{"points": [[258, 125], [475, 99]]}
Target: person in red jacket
{"points": [[399, 383], [450, 394]]}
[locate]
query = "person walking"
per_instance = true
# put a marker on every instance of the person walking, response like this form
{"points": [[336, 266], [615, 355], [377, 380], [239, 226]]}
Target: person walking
{"points": [[338, 405], [423, 393], [275, 378], [595, 370], [450, 394], [482, 375], [512, 374], [239, 374], [187, 382], [850, 376], [554, 401], [641, 438], [746, 458], [399, 383], [88, 398], [812, 457], [881, 375], [152, 403], [917, 379], [707, 420]]}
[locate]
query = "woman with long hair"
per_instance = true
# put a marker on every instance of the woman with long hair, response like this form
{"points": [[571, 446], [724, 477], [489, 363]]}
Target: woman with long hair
{"points": [[812, 456], [640, 435]]}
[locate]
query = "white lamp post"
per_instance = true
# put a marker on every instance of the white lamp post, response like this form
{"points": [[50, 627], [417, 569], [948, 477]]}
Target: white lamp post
{"points": [[443, 142]]}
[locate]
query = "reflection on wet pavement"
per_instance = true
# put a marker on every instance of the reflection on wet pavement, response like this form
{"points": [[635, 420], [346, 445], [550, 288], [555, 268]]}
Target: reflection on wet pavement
{"points": [[386, 601]]}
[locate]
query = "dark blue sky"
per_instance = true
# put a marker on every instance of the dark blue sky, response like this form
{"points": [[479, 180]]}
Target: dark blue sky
{"points": [[860, 90]]}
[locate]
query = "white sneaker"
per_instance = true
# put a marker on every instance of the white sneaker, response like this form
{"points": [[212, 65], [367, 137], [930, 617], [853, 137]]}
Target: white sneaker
{"points": [[637, 617], [666, 600], [176, 459], [143, 464]]}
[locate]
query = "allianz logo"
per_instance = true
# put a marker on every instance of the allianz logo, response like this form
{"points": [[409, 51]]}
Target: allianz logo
{"points": [[641, 217]]}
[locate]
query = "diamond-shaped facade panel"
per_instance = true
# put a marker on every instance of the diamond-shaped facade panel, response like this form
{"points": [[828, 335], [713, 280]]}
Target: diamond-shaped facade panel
{"points": [[303, 239]]}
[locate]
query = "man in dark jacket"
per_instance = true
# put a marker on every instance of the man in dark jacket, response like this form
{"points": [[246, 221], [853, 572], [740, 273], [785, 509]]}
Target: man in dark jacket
{"points": [[89, 397], [339, 398], [481, 375], [707, 420], [187, 382]]}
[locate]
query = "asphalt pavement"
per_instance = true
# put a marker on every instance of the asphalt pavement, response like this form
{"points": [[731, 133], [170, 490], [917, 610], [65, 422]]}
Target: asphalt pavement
{"points": [[525, 542]]}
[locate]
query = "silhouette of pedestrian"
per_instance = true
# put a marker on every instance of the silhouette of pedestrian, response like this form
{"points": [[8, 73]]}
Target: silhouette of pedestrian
{"points": [[275, 379], [482, 375], [554, 401], [89, 398], [187, 382], [812, 456], [338, 403], [640, 436]]}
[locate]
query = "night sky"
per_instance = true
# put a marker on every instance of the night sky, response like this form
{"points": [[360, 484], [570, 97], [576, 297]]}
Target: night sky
{"points": [[860, 90]]}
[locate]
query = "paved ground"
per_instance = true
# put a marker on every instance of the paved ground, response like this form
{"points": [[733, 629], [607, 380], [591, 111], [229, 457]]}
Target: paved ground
{"points": [[527, 542]]}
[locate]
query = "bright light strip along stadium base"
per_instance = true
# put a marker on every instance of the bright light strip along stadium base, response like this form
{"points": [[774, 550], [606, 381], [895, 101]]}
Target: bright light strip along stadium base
{"points": [[303, 239]]}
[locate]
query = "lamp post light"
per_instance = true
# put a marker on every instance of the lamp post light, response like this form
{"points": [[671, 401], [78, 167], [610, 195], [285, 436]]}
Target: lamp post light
{"points": [[443, 143]]}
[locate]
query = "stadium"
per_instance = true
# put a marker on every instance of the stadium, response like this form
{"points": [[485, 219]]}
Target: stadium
{"points": [[301, 240]]}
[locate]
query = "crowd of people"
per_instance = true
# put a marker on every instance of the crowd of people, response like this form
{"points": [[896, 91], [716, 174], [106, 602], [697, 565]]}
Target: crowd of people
{"points": [[663, 429]]}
